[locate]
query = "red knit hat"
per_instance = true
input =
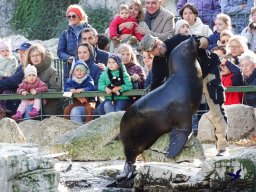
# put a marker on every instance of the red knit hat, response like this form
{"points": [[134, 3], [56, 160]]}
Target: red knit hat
{"points": [[77, 10]]}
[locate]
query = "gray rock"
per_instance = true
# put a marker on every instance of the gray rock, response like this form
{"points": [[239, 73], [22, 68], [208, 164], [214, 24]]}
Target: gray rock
{"points": [[10, 132], [47, 131], [24, 169], [241, 124]]}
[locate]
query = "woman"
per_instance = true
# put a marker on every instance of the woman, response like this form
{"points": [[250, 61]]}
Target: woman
{"points": [[70, 38], [85, 53], [236, 46], [247, 63], [42, 59], [189, 13]]}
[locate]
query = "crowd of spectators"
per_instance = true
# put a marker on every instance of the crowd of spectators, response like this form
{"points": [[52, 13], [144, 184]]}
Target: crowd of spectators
{"points": [[110, 62]]}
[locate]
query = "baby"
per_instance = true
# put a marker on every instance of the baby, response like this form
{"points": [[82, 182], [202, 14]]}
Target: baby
{"points": [[8, 63], [31, 84], [122, 17]]}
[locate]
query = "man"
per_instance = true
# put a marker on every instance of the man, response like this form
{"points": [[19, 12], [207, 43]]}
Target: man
{"points": [[22, 52], [159, 20], [90, 35], [212, 86]]}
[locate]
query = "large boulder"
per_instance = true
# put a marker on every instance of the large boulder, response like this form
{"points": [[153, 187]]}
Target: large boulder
{"points": [[241, 124], [46, 131], [10, 132], [24, 169]]}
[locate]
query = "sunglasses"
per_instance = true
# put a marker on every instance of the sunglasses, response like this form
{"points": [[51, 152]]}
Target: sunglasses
{"points": [[71, 16], [223, 42]]}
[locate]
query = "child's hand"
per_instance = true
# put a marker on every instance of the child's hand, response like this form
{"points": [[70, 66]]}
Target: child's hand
{"points": [[116, 89], [108, 91], [79, 90], [135, 77], [24, 93], [33, 91], [72, 90]]}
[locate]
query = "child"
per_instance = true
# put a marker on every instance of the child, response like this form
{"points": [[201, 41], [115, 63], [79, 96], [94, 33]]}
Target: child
{"points": [[148, 61], [122, 17], [224, 37], [80, 81], [222, 22], [8, 63], [230, 76], [115, 68], [31, 84], [182, 27]]}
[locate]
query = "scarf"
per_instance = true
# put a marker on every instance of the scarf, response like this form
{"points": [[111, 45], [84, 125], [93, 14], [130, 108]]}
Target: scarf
{"points": [[150, 17]]}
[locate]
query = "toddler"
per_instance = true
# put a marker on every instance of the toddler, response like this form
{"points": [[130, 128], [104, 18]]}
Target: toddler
{"points": [[182, 27], [122, 17], [8, 63], [115, 101], [80, 81], [31, 84]]}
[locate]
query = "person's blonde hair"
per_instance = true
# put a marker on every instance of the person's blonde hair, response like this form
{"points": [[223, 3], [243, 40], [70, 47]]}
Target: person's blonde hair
{"points": [[84, 18], [225, 18], [122, 7], [125, 47], [253, 10], [138, 3], [36, 47], [240, 39], [226, 33]]}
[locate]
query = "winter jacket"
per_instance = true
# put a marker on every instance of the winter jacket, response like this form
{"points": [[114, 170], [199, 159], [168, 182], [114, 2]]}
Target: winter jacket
{"points": [[48, 74], [207, 9], [87, 84], [12, 82], [133, 68], [113, 27], [213, 39], [250, 97], [251, 37], [233, 79], [68, 42], [38, 85], [104, 81], [8, 66], [200, 29], [239, 16], [95, 71], [101, 56], [148, 80]]}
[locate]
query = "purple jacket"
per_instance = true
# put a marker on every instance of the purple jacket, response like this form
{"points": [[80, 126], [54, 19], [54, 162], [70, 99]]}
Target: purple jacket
{"points": [[207, 9], [133, 68]]}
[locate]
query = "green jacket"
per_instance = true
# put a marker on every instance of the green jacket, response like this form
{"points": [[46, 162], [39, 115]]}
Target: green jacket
{"points": [[104, 81]]}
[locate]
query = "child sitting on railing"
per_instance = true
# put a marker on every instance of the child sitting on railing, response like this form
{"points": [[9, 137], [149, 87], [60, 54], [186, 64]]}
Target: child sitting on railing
{"points": [[31, 84]]}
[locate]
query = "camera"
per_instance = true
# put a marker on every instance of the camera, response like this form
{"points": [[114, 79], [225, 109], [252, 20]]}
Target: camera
{"points": [[252, 26]]}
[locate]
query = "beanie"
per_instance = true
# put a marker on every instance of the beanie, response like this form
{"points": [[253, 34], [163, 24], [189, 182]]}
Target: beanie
{"points": [[30, 69], [117, 58], [79, 64], [179, 23], [5, 45], [77, 10]]}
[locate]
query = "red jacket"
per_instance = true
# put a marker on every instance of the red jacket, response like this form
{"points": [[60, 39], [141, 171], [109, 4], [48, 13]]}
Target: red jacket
{"points": [[38, 85], [113, 28], [231, 97]]}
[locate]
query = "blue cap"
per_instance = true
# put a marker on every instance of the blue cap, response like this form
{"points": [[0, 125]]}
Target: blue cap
{"points": [[23, 47]]}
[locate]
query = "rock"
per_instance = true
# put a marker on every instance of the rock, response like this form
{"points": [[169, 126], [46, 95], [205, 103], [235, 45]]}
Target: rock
{"points": [[241, 124], [47, 131], [92, 141], [10, 132], [24, 169], [212, 174], [193, 150]]}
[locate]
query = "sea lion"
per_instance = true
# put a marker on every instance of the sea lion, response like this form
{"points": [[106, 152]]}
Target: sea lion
{"points": [[169, 108]]}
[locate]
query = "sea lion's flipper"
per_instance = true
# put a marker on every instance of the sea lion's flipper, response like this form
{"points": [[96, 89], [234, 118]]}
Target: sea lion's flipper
{"points": [[178, 139]]}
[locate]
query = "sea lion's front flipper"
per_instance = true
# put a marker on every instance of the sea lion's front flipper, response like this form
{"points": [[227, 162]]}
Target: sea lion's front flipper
{"points": [[178, 139]]}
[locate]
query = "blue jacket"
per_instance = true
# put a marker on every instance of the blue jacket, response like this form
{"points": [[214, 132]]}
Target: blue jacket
{"points": [[207, 9], [213, 39], [12, 82], [95, 71], [87, 84], [101, 56], [68, 42], [148, 80], [232, 7]]}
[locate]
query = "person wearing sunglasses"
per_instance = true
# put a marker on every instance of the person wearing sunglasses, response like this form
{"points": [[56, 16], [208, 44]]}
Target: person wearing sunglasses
{"points": [[70, 38]]}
